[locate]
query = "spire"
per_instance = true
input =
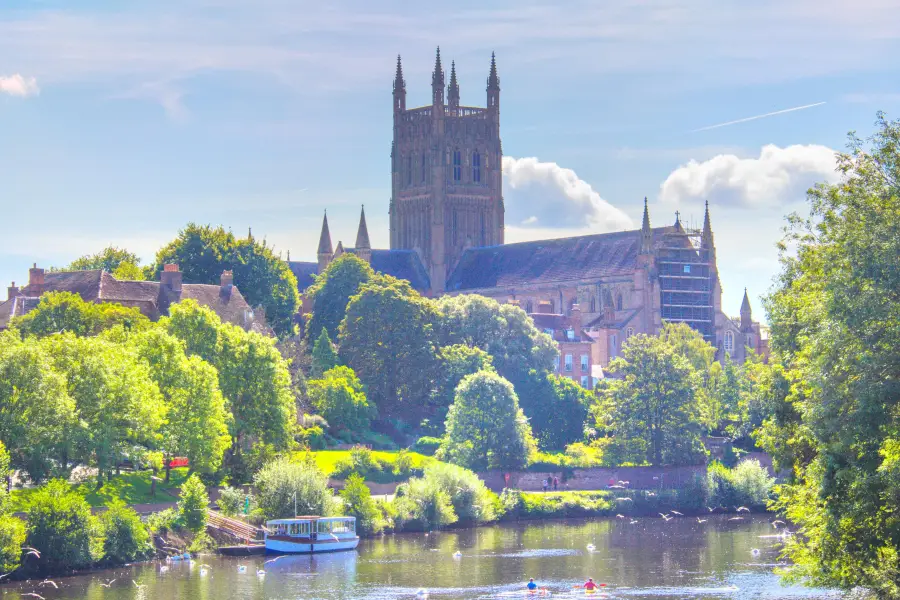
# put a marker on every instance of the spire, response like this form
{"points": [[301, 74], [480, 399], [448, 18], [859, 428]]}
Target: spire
{"points": [[678, 221], [646, 232], [745, 304], [362, 235], [325, 237], [493, 80], [437, 81], [707, 236], [339, 250], [453, 88], [645, 224], [746, 313], [250, 233], [399, 83]]}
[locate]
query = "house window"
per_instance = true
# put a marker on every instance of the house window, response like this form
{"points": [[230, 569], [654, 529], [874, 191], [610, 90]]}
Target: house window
{"points": [[556, 363], [687, 268], [729, 343], [593, 304], [483, 231], [476, 167], [584, 382], [568, 363], [750, 340], [529, 307], [570, 335], [552, 306], [584, 363], [457, 165], [629, 332], [613, 347]]}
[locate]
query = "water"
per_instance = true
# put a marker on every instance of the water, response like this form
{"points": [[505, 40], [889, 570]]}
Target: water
{"points": [[651, 559]]}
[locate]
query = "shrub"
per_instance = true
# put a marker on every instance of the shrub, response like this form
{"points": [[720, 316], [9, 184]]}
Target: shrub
{"points": [[748, 484], [193, 504], [62, 528], [359, 503], [279, 480], [126, 537], [427, 445], [423, 507], [312, 437], [694, 495], [164, 520], [340, 398], [472, 501], [402, 464], [517, 504], [12, 538], [232, 500]]}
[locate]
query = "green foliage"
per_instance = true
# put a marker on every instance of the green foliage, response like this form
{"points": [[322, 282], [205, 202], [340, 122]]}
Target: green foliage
{"points": [[128, 271], [279, 480], [427, 445], [748, 484], [110, 259], [424, 506], [12, 538], [835, 328], [365, 463], [387, 338], [332, 290], [454, 363], [59, 312], [557, 408], [485, 427], [232, 501], [126, 538], [62, 528], [324, 356], [651, 409], [203, 252], [358, 502], [162, 521], [313, 438], [339, 397], [193, 504], [556, 505], [472, 502]]}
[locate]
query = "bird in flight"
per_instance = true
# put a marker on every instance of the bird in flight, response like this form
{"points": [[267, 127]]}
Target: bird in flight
{"points": [[699, 520], [108, 583]]}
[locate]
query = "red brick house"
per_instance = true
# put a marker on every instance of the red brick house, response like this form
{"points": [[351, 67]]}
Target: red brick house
{"points": [[575, 359]]}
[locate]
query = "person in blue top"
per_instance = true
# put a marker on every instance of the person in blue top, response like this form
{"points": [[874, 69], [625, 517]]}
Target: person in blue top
{"points": [[532, 586]]}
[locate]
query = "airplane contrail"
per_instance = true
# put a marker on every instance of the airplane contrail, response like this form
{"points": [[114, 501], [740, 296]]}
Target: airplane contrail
{"points": [[771, 114]]}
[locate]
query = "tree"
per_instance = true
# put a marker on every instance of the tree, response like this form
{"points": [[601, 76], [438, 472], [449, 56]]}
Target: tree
{"points": [[12, 538], [339, 397], [5, 472], [37, 414], [110, 259], [359, 503], [59, 312], [331, 292], [472, 501], [454, 363], [125, 537], [203, 252], [193, 504], [129, 272], [284, 485], [387, 338], [835, 327], [324, 356], [62, 528], [652, 407], [197, 420], [557, 409], [485, 427]]}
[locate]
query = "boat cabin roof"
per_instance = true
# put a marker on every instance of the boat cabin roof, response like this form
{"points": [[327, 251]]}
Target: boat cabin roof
{"points": [[308, 519]]}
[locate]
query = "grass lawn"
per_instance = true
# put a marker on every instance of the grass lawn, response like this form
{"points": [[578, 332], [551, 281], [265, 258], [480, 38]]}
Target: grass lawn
{"points": [[327, 459], [130, 487]]}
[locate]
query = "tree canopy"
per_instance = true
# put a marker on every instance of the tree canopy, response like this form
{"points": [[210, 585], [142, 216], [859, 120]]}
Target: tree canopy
{"points": [[60, 312], [339, 397], [331, 292], [557, 409], [124, 265]]}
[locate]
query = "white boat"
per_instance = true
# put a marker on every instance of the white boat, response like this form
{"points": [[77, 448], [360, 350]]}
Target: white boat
{"points": [[308, 535]]}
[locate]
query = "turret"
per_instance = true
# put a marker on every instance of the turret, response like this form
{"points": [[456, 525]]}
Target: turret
{"points": [[746, 313], [453, 89], [399, 90], [363, 248], [325, 253], [646, 232], [677, 225], [437, 84], [493, 86], [706, 239]]}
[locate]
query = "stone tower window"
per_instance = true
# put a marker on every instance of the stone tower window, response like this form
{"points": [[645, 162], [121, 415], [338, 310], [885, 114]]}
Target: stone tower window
{"points": [[483, 231], [593, 304], [424, 168], [409, 169], [729, 343], [476, 167], [618, 301], [457, 165]]}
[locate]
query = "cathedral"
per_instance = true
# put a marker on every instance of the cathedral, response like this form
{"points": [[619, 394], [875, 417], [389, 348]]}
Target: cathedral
{"points": [[446, 237]]}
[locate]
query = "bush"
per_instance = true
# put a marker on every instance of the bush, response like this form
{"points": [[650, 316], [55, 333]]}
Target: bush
{"points": [[126, 537], [12, 538], [427, 445], [232, 501], [748, 484], [279, 480], [524, 505], [403, 464], [423, 507], [312, 437], [193, 504], [164, 520], [472, 502], [339, 397], [62, 528], [359, 503], [694, 495]]}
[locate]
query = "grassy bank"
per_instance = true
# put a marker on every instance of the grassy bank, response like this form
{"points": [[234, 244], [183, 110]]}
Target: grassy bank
{"points": [[601, 503]]}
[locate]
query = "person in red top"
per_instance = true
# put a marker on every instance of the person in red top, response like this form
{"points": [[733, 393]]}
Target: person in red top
{"points": [[590, 585]]}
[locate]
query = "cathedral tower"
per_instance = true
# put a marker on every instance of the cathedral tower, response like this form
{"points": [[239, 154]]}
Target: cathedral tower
{"points": [[446, 173]]}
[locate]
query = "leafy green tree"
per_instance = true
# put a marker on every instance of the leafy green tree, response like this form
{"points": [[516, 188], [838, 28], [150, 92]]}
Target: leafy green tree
{"points": [[359, 503], [471, 500], [454, 364], [193, 504], [62, 528], [557, 409], [485, 427], [281, 482], [127, 271], [196, 424], [424, 506], [387, 338], [202, 252], [60, 312], [324, 356], [109, 259], [5, 472], [835, 327], [12, 538], [339, 397], [332, 290], [37, 414], [652, 405], [125, 537]]}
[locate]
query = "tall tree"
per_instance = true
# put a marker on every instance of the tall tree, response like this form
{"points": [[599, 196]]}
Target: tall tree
{"points": [[454, 363], [486, 429], [557, 409], [59, 312], [324, 356], [387, 338], [339, 397], [835, 325], [332, 290], [203, 252], [111, 259], [652, 404]]}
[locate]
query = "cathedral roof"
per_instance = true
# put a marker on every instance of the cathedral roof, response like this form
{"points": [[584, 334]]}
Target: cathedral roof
{"points": [[549, 261], [402, 264], [305, 273]]}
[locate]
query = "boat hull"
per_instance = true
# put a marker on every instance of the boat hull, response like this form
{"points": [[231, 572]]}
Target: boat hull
{"points": [[287, 545]]}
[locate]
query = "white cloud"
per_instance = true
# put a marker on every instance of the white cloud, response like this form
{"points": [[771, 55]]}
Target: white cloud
{"points": [[546, 195], [777, 176], [16, 85]]}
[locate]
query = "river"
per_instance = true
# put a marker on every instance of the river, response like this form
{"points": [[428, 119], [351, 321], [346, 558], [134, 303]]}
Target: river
{"points": [[649, 559]]}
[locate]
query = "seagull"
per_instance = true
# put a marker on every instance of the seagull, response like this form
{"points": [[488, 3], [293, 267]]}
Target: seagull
{"points": [[775, 524], [632, 522], [620, 516], [699, 520], [5, 575], [675, 512], [710, 509], [755, 551], [741, 509], [48, 582], [591, 547], [667, 518], [108, 583], [650, 494], [274, 559], [736, 519], [32, 594], [624, 500], [31, 551], [139, 586], [163, 569]]}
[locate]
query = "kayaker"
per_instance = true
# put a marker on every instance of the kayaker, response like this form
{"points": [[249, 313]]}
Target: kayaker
{"points": [[531, 585], [589, 585]]}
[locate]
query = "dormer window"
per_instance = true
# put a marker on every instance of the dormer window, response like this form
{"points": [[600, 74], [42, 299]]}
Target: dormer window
{"points": [[570, 335]]}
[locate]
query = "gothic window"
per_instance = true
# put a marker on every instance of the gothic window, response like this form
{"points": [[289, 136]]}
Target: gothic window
{"points": [[593, 304], [552, 306], [618, 301], [629, 332], [457, 165], [529, 307], [455, 223], [424, 167], [476, 167], [729, 343], [483, 231], [409, 169]]}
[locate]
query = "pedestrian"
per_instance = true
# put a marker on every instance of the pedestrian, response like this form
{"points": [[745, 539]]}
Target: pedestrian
{"points": [[555, 483], [544, 484]]}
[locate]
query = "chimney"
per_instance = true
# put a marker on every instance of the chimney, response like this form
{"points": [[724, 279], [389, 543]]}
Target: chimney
{"points": [[575, 318], [12, 291], [35, 281], [543, 307], [171, 278], [227, 279]]}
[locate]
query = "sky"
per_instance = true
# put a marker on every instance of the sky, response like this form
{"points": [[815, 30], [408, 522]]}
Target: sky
{"points": [[122, 121]]}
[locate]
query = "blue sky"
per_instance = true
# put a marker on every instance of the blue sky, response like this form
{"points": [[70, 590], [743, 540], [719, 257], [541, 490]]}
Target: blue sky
{"points": [[122, 121]]}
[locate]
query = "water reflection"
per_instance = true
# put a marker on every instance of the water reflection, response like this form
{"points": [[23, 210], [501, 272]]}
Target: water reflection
{"points": [[648, 559]]}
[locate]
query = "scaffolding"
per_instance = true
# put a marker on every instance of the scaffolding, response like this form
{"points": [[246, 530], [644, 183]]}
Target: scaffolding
{"points": [[686, 281]]}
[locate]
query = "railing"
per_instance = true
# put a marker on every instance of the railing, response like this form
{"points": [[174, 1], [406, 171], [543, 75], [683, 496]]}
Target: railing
{"points": [[239, 529]]}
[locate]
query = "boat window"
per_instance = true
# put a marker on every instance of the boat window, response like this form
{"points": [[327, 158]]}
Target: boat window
{"points": [[304, 528], [295, 529]]}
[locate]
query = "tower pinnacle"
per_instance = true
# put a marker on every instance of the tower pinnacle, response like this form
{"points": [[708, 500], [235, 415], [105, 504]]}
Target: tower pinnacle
{"points": [[437, 80], [646, 232], [746, 313], [706, 238], [399, 89], [325, 253], [362, 234], [493, 86], [453, 88]]}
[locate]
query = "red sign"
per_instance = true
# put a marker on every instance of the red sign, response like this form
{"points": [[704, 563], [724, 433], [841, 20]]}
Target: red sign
{"points": [[178, 461]]}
